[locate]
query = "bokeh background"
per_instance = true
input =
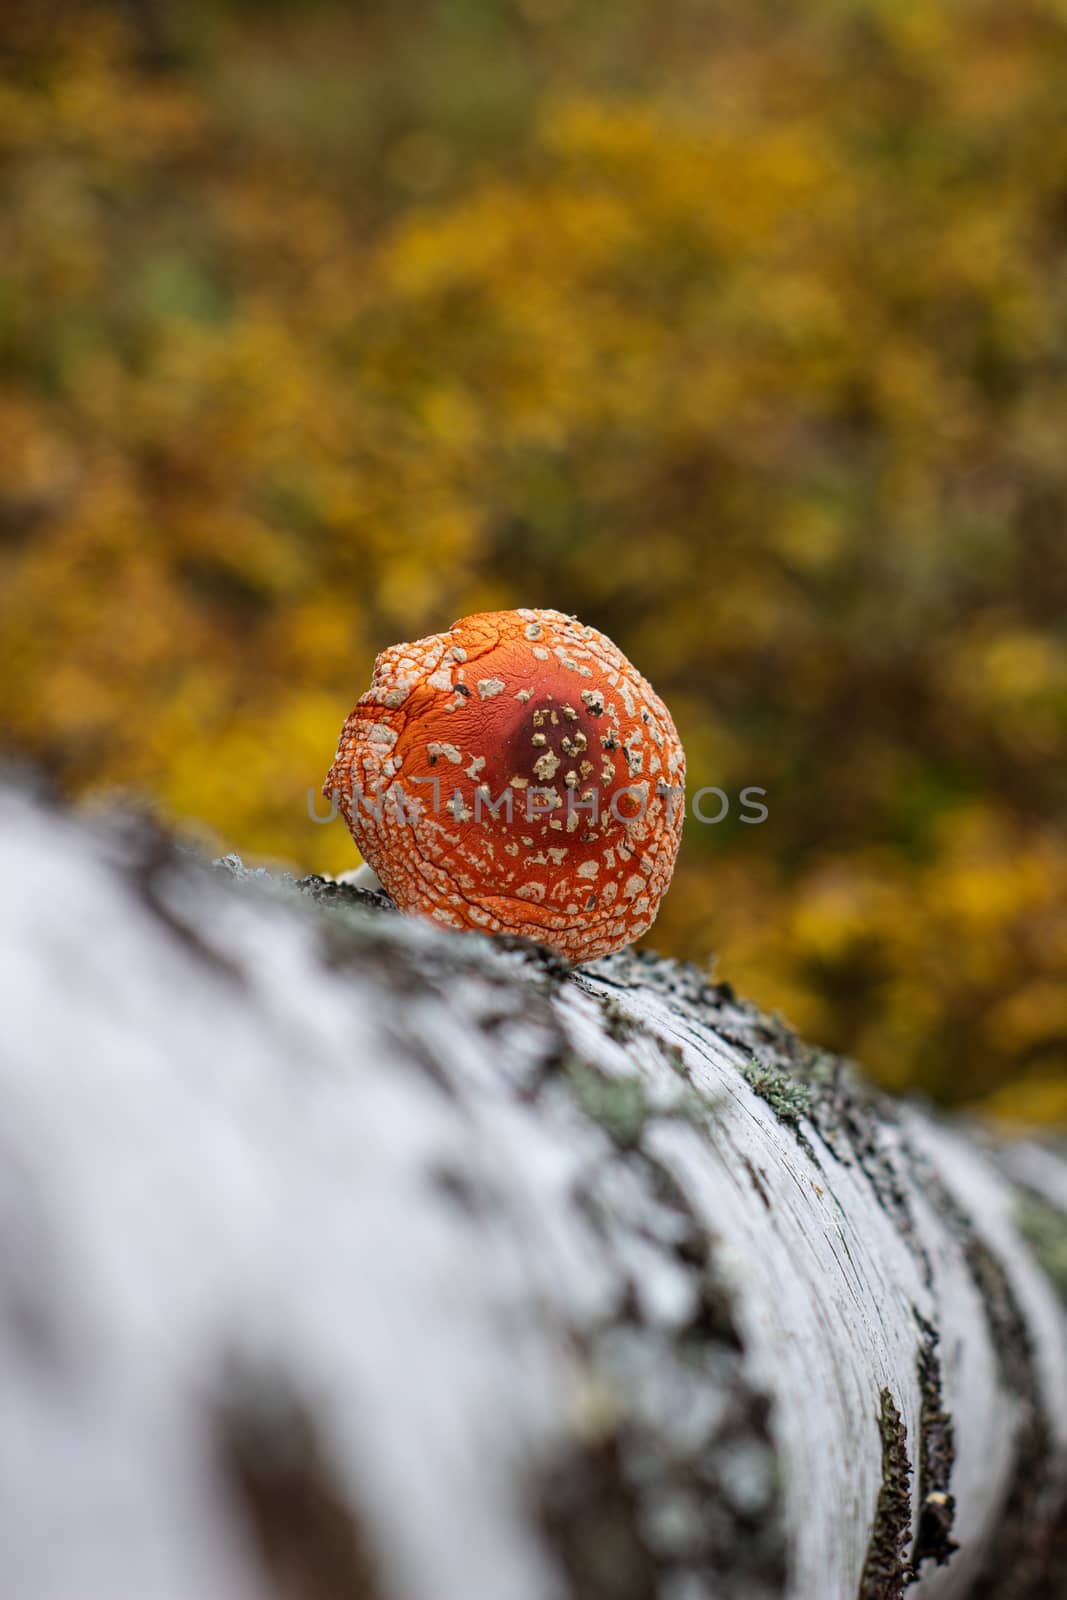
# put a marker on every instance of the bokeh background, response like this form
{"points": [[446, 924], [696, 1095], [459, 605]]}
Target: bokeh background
{"points": [[738, 330]]}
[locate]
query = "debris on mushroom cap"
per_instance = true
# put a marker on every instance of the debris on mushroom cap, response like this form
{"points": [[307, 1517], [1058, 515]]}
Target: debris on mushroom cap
{"points": [[516, 774]]}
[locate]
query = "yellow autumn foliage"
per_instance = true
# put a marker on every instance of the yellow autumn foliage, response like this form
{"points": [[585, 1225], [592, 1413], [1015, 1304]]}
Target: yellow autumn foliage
{"points": [[740, 333]]}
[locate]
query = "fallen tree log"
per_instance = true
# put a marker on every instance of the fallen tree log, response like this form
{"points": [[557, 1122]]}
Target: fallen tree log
{"points": [[344, 1256]]}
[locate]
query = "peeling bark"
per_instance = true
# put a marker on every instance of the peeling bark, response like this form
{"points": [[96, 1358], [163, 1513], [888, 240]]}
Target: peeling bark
{"points": [[344, 1256]]}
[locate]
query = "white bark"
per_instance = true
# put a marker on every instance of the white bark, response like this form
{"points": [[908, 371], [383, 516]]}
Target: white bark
{"points": [[345, 1256]]}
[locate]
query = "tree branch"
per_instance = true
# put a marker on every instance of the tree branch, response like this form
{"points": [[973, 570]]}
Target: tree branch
{"points": [[346, 1256]]}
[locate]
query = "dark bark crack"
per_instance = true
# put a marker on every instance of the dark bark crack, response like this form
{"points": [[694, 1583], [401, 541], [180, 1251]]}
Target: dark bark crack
{"points": [[886, 1570], [937, 1453]]}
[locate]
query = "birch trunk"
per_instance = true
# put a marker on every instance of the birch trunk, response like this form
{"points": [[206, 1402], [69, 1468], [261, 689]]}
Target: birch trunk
{"points": [[343, 1256]]}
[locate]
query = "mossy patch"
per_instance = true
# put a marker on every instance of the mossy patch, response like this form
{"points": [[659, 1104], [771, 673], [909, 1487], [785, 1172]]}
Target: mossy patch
{"points": [[620, 1105], [788, 1097]]}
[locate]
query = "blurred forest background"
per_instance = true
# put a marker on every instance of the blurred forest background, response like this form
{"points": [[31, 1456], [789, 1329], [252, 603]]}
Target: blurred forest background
{"points": [[738, 330]]}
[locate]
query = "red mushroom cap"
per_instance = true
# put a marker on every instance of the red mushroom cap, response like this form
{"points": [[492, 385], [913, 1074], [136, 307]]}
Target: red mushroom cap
{"points": [[516, 774]]}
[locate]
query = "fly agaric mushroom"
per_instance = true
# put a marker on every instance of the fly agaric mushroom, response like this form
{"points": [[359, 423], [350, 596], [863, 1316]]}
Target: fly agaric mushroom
{"points": [[516, 774]]}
